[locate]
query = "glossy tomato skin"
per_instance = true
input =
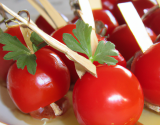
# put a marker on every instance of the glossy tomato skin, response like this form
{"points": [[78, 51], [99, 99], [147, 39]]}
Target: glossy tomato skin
{"points": [[70, 64], [142, 6], [152, 21], [45, 26], [106, 17], [5, 64], [146, 67], [50, 82], [125, 42], [108, 4], [114, 97], [15, 31]]}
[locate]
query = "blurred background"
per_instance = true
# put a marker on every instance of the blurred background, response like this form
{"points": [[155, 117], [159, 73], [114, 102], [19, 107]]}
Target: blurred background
{"points": [[62, 6]]}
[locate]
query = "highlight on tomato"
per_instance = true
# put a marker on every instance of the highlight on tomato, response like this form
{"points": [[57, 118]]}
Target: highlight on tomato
{"points": [[115, 90]]}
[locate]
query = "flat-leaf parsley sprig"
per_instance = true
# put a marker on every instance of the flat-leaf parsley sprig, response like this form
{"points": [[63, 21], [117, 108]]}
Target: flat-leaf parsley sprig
{"points": [[103, 52], [19, 52]]}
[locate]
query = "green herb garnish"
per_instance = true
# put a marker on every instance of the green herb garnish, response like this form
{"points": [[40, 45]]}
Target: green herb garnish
{"points": [[19, 52], [82, 32]]}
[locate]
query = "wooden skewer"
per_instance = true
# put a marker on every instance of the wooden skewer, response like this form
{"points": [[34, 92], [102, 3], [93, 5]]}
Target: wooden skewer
{"points": [[80, 60], [95, 4], [26, 32], [136, 25], [87, 16], [158, 1], [54, 14], [41, 10]]}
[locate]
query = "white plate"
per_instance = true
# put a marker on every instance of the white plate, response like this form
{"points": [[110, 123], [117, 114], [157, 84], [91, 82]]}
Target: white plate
{"points": [[10, 115]]}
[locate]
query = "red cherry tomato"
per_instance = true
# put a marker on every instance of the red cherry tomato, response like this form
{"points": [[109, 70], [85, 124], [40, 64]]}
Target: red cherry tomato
{"points": [[146, 67], [108, 4], [142, 6], [49, 84], [5, 64], [106, 17], [114, 97], [152, 21], [45, 26], [125, 42], [70, 64]]}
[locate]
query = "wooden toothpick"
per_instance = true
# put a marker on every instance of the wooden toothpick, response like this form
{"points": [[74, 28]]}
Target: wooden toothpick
{"points": [[49, 13], [95, 4], [78, 59], [54, 14], [87, 16], [158, 1], [41, 10], [136, 25], [26, 32]]}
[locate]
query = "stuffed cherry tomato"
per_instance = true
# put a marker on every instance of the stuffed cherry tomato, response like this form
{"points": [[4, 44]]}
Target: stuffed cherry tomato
{"points": [[146, 67], [59, 36], [49, 84], [114, 97], [125, 42]]}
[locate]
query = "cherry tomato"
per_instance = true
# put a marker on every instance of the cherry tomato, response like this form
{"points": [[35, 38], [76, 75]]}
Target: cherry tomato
{"points": [[146, 67], [108, 4], [125, 42], [142, 6], [70, 64], [152, 21], [114, 97], [105, 19], [45, 26], [49, 84], [5, 64]]}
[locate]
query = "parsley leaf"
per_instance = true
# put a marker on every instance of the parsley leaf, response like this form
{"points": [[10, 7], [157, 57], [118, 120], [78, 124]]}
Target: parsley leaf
{"points": [[17, 51], [37, 41], [82, 33], [104, 51]]}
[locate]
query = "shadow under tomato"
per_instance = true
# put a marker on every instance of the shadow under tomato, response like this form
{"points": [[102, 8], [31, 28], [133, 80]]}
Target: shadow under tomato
{"points": [[67, 119]]}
